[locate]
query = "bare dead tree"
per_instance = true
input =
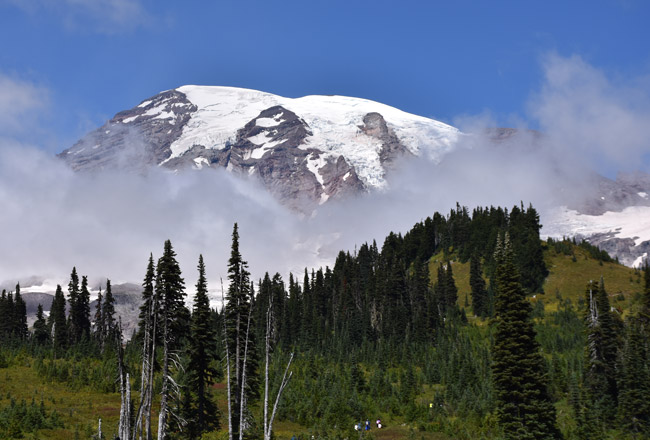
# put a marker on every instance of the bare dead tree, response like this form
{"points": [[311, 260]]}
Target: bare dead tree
{"points": [[124, 427], [164, 393], [268, 423], [242, 401], [146, 378]]}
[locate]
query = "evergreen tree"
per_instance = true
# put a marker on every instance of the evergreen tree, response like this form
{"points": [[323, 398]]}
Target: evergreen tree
{"points": [[240, 341], [98, 320], [57, 320], [478, 290], [20, 316], [602, 351], [83, 309], [170, 288], [109, 327], [41, 335], [634, 382], [451, 291], [74, 319], [523, 405], [202, 352]]}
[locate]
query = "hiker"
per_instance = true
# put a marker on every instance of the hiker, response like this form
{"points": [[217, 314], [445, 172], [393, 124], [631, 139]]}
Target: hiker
{"points": [[378, 423], [367, 425]]}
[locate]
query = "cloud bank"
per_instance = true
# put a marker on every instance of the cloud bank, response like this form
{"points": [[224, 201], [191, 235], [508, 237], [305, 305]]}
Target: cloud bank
{"points": [[106, 224]]}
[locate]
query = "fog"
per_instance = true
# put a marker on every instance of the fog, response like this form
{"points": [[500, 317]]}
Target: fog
{"points": [[106, 224]]}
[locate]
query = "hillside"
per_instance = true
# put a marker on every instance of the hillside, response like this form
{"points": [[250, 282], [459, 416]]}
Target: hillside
{"points": [[567, 278]]}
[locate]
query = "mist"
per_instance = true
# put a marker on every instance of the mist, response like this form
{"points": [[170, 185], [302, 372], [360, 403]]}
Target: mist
{"points": [[107, 223]]}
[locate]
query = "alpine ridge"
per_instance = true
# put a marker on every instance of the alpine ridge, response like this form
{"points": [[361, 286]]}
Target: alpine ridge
{"points": [[303, 150]]}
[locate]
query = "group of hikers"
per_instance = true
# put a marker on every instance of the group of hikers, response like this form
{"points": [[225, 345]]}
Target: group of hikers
{"points": [[360, 426]]}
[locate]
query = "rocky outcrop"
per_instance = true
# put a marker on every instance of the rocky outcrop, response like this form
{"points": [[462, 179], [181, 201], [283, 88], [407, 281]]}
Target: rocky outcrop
{"points": [[374, 125], [135, 138]]}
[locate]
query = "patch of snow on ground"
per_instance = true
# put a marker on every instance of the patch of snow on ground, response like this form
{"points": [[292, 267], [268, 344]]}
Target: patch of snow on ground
{"points": [[144, 104], [643, 194], [259, 152], [632, 222]]}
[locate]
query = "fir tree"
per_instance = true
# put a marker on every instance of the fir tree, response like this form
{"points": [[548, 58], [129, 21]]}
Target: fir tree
{"points": [[478, 290], [523, 405], [5, 311], [602, 351], [240, 343], [109, 327], [98, 320], [83, 309], [74, 319], [170, 288], [634, 382], [20, 316], [202, 353], [57, 320], [41, 335]]}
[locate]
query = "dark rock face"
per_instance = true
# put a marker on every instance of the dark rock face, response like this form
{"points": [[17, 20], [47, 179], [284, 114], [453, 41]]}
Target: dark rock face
{"points": [[135, 138], [623, 248], [274, 148], [612, 195], [374, 125]]}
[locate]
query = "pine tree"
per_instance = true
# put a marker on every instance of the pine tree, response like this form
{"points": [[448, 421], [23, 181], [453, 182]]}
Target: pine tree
{"points": [[20, 316], [634, 382], [602, 351], [451, 291], [523, 405], [170, 288], [202, 353], [41, 335], [478, 290], [57, 320], [5, 324], [98, 320], [109, 327], [83, 309], [74, 324], [240, 341]]}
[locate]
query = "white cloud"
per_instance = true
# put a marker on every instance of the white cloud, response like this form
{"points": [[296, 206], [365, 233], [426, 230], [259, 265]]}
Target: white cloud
{"points": [[21, 102], [102, 16], [597, 119]]}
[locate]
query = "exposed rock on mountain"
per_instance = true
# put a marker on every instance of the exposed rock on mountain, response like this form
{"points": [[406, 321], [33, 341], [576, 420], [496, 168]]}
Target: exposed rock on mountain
{"points": [[304, 151]]}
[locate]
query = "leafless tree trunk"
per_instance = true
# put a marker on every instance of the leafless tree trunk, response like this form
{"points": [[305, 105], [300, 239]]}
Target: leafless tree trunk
{"points": [[99, 429], [146, 378], [242, 402], [162, 416], [268, 423], [124, 427]]}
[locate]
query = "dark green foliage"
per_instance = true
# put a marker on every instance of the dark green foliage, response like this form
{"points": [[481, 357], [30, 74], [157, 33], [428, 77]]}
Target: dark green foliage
{"points": [[202, 412], [20, 418], [523, 405], [170, 289], [19, 316], [57, 321], [108, 325], [41, 335], [480, 301], [240, 336], [600, 376], [634, 382]]}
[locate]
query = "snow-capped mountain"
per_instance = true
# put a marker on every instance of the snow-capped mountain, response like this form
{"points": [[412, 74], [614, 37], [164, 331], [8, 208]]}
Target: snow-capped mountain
{"points": [[308, 150], [304, 150]]}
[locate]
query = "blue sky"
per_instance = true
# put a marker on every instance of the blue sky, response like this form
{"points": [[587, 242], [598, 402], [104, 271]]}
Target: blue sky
{"points": [[82, 61]]}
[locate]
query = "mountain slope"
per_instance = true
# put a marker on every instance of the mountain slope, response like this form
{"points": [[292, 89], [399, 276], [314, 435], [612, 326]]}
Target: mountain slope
{"points": [[304, 150]]}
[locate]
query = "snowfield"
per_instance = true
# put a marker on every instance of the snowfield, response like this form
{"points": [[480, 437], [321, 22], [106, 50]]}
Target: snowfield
{"points": [[333, 120]]}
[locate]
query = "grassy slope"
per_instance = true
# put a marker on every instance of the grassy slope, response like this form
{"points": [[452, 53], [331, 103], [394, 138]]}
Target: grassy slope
{"points": [[80, 409], [566, 279]]}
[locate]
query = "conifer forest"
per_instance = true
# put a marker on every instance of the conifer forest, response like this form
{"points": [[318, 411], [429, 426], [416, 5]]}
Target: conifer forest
{"points": [[468, 326]]}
